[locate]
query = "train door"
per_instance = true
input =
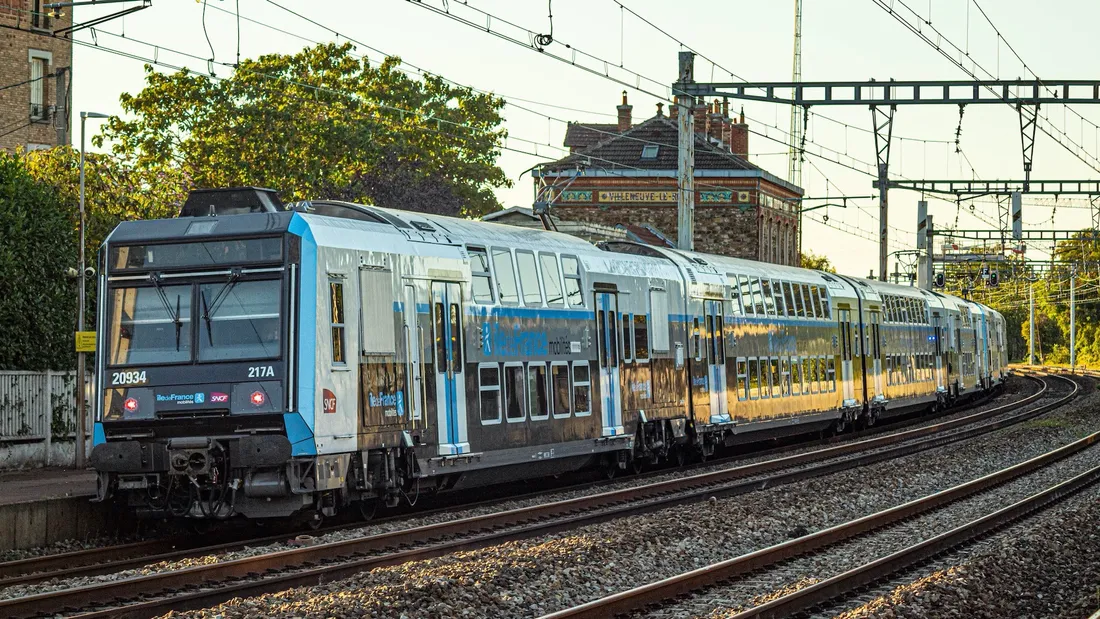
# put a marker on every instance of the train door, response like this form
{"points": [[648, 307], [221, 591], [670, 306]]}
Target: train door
{"points": [[875, 350], [716, 364], [937, 336], [607, 332], [450, 385], [414, 369], [845, 321]]}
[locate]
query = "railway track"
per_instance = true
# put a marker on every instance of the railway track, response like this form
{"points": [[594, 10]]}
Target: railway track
{"points": [[205, 585], [108, 559], [756, 566]]}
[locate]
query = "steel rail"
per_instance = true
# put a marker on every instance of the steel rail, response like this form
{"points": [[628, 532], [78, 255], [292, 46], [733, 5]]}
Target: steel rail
{"points": [[107, 559], [711, 575], [520, 523]]}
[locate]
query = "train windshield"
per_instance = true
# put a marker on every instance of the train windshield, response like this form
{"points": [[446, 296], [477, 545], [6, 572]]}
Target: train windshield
{"points": [[240, 320], [150, 324], [234, 320]]}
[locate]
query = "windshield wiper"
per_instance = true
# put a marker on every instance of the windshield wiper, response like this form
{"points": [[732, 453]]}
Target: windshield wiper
{"points": [[175, 316], [212, 308]]}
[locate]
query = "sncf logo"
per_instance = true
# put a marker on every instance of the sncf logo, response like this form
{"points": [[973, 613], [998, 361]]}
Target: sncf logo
{"points": [[219, 398], [328, 399]]}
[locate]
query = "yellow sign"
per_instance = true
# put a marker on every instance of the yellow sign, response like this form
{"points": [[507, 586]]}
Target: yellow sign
{"points": [[85, 341]]}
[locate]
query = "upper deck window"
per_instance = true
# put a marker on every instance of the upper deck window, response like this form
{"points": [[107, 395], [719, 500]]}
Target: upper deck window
{"points": [[506, 276], [482, 277], [573, 288], [196, 255]]}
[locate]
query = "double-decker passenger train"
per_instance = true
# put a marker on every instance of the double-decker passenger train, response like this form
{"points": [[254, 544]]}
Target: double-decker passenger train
{"points": [[301, 359]]}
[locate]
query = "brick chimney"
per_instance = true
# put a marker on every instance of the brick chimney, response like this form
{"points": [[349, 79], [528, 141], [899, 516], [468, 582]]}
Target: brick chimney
{"points": [[701, 112], [624, 115], [661, 109], [739, 137], [716, 123]]}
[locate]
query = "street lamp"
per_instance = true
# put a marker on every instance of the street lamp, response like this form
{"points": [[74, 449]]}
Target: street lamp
{"points": [[81, 406]]}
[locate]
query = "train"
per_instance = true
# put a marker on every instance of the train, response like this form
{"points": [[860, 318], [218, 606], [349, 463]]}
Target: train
{"points": [[272, 360]]}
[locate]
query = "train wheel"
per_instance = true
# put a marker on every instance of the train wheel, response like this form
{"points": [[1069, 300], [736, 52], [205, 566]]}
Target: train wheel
{"points": [[637, 465], [203, 526], [316, 519], [679, 456]]}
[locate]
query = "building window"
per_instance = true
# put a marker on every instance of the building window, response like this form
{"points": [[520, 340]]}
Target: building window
{"points": [[40, 17], [489, 378], [482, 277], [40, 68], [649, 151], [336, 314]]}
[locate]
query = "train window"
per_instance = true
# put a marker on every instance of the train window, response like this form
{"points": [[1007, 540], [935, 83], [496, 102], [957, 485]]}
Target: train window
{"points": [[613, 335], [538, 401], [785, 376], [628, 337], [710, 352], [735, 295], [601, 326], [746, 295], [889, 370], [529, 278], [807, 301], [570, 266], [812, 375], [506, 276], [551, 279], [482, 275], [796, 376], [559, 378], [777, 293], [658, 306], [515, 389], [769, 300], [488, 375], [720, 339], [695, 335], [456, 338], [831, 374], [641, 338], [813, 300], [826, 312], [582, 390], [757, 297], [757, 380], [803, 366], [794, 306], [336, 311], [801, 308], [775, 378], [440, 339], [742, 386]]}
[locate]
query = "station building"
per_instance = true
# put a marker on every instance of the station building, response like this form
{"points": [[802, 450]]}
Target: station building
{"points": [[35, 76], [623, 176]]}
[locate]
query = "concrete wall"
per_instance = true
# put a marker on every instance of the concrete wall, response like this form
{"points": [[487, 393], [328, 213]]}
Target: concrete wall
{"points": [[40, 523]]}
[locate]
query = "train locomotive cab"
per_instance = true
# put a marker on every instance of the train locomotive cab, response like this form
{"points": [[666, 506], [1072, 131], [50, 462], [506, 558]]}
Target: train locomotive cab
{"points": [[193, 363]]}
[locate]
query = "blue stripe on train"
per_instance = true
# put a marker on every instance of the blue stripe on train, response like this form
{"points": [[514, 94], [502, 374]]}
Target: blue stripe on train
{"points": [[301, 438]]}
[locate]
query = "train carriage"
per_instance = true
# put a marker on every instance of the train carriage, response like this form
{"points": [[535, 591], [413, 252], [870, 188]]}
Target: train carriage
{"points": [[271, 361]]}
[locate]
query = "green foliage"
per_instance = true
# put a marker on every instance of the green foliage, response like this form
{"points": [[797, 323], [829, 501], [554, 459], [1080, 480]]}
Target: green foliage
{"points": [[37, 303], [811, 260], [321, 124]]}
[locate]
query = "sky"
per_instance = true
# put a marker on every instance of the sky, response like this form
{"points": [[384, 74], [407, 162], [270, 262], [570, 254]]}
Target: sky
{"points": [[843, 40]]}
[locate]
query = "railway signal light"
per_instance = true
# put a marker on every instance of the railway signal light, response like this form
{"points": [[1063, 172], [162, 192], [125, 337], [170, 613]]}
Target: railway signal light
{"points": [[939, 280], [993, 278]]}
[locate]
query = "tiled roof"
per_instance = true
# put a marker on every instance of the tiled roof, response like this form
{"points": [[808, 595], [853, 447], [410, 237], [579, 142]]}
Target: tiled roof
{"points": [[625, 150], [578, 136], [647, 234]]}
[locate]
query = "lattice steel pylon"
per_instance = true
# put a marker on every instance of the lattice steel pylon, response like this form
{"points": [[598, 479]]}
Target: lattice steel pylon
{"points": [[1029, 115], [883, 122], [794, 165]]}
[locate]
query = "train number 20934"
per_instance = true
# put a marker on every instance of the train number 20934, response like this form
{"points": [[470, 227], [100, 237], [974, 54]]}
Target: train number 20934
{"points": [[128, 378], [261, 371]]}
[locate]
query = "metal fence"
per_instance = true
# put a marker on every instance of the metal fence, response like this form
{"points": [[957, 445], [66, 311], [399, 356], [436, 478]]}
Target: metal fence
{"points": [[37, 406]]}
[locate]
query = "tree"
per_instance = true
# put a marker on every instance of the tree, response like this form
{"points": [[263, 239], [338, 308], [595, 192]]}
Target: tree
{"points": [[319, 124], [810, 260], [38, 305]]}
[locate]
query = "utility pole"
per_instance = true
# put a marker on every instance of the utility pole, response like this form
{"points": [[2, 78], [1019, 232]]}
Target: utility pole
{"points": [[794, 171], [685, 162], [1073, 318], [1031, 325]]}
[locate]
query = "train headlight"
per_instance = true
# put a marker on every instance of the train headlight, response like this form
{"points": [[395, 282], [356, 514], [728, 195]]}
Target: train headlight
{"points": [[131, 405], [257, 398]]}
